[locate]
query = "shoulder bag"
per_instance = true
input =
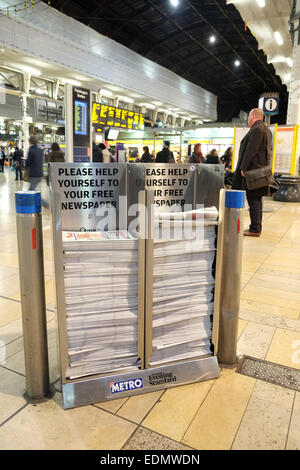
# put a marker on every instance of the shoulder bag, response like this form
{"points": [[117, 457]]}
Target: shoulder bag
{"points": [[263, 176]]}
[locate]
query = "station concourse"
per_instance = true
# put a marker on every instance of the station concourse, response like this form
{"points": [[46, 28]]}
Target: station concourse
{"points": [[240, 409]]}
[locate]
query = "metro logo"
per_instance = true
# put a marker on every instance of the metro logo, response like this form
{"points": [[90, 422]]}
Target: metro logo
{"points": [[126, 385]]}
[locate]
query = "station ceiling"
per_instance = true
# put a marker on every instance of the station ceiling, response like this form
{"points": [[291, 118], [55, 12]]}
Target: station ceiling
{"points": [[179, 38]]}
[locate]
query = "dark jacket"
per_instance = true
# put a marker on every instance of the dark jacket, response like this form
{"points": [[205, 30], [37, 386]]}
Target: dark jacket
{"points": [[34, 162], [212, 160], [253, 154], [194, 158], [147, 158], [17, 157], [165, 156], [227, 160], [56, 156], [97, 154]]}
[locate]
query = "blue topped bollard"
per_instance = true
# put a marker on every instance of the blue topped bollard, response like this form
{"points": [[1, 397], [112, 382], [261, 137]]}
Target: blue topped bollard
{"points": [[32, 286], [230, 289]]}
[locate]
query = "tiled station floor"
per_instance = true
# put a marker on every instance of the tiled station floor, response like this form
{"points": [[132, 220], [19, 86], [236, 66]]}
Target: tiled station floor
{"points": [[232, 412]]}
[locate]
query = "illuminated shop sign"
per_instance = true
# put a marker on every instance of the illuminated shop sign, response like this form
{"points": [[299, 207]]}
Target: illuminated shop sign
{"points": [[110, 116]]}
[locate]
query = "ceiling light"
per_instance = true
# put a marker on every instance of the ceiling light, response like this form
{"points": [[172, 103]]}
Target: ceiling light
{"points": [[174, 3], [278, 38], [70, 81], [237, 63], [261, 3], [126, 99], [30, 70], [106, 92], [289, 62], [147, 105], [212, 39]]}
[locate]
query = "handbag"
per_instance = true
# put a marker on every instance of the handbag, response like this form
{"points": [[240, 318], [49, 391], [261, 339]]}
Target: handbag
{"points": [[260, 177], [26, 175]]}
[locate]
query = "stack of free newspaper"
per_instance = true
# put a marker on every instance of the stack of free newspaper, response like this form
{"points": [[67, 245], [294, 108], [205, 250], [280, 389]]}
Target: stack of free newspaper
{"points": [[100, 275], [183, 284]]}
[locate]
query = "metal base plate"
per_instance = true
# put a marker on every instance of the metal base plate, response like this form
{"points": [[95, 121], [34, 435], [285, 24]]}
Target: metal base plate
{"points": [[98, 389]]}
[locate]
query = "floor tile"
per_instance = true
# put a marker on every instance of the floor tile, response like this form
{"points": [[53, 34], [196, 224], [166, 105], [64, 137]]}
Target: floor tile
{"points": [[270, 320], [242, 326], [217, 421], [285, 348], [144, 439], [113, 406], [12, 387], [266, 420], [293, 442], [48, 426], [255, 340], [267, 308], [9, 311], [271, 296], [172, 415], [16, 361], [136, 408]]}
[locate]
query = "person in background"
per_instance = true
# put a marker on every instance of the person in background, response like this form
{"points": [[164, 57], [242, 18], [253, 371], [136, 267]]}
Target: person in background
{"points": [[34, 164], [227, 159], [2, 160], [165, 156], [106, 156], [254, 153], [213, 158], [197, 155], [97, 154], [55, 154], [146, 157], [17, 159]]}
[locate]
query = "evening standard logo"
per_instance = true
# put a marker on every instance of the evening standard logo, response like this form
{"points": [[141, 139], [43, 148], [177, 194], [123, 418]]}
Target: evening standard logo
{"points": [[125, 385], [162, 378]]}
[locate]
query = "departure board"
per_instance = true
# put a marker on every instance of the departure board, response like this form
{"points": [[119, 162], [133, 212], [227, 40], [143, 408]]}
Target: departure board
{"points": [[109, 116], [80, 118]]}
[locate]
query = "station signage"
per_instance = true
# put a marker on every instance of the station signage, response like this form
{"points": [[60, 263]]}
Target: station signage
{"points": [[110, 116], [50, 111], [81, 117], [269, 105]]}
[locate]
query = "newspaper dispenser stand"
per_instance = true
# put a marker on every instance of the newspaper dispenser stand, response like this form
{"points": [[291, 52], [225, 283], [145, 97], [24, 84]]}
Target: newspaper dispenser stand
{"points": [[106, 330]]}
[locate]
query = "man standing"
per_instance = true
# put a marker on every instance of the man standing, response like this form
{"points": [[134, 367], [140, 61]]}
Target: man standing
{"points": [[165, 156], [254, 153], [34, 163]]}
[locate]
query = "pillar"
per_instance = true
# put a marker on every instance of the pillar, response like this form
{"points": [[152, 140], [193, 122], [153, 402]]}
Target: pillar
{"points": [[25, 120], [293, 115]]}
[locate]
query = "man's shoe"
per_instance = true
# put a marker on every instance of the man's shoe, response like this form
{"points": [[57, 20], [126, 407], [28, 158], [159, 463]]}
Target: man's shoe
{"points": [[247, 233]]}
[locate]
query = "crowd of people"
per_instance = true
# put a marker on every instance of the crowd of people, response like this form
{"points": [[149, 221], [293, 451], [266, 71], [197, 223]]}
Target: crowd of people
{"points": [[254, 154]]}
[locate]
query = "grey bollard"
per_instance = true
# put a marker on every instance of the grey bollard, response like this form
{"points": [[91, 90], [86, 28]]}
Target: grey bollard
{"points": [[31, 268], [231, 277]]}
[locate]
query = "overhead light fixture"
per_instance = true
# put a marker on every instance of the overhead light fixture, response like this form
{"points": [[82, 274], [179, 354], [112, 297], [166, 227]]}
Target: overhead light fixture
{"points": [[237, 63], [106, 92], [174, 3], [147, 105], [31, 70], [289, 62], [261, 3], [70, 81], [212, 39], [278, 38], [126, 99]]}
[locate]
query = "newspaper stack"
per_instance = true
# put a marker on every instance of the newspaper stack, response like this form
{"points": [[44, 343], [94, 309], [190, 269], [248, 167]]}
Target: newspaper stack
{"points": [[183, 285], [101, 301]]}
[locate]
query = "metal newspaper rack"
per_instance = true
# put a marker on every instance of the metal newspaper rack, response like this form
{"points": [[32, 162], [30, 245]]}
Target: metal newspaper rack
{"points": [[81, 194]]}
